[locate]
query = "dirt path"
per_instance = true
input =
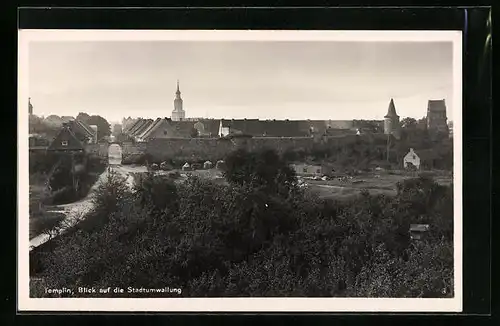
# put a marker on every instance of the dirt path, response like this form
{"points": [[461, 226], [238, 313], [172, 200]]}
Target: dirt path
{"points": [[76, 211]]}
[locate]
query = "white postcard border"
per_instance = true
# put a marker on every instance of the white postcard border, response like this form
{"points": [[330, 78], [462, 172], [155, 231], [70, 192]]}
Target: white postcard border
{"points": [[25, 303]]}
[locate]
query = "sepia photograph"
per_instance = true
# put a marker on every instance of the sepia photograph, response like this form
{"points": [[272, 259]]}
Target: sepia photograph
{"points": [[240, 170]]}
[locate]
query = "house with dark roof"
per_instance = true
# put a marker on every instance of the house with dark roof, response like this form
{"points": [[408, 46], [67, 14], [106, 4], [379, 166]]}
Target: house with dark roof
{"points": [[143, 127], [90, 131], [135, 126], [131, 125], [263, 128], [168, 128], [138, 128], [67, 141], [82, 131]]}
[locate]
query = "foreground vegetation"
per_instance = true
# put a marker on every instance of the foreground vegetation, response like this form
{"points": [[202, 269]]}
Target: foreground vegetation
{"points": [[60, 190], [260, 235], [61, 180]]}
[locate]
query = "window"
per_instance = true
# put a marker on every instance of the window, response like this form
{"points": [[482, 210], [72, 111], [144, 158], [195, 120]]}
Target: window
{"points": [[413, 156], [318, 170], [304, 170], [64, 143], [164, 132]]}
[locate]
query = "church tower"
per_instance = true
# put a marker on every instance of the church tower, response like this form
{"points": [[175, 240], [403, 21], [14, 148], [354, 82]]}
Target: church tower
{"points": [[30, 107], [391, 121], [178, 113]]}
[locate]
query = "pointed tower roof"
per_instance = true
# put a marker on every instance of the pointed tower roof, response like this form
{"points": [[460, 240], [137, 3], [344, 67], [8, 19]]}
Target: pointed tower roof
{"points": [[391, 112], [178, 91]]}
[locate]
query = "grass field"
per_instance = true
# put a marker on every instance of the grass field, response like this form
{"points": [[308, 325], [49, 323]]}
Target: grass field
{"points": [[374, 183]]}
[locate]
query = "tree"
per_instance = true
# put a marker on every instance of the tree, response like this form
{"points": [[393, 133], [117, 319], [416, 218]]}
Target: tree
{"points": [[368, 125], [263, 168], [82, 116], [103, 127], [409, 123]]}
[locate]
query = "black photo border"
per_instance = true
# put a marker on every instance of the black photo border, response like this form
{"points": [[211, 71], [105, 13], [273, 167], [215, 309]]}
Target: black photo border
{"points": [[477, 111]]}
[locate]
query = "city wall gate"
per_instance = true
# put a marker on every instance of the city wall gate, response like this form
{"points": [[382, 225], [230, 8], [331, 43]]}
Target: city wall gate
{"points": [[115, 150], [115, 153]]}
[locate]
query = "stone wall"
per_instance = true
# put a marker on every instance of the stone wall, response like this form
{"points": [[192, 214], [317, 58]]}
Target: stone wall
{"points": [[189, 149], [129, 148], [99, 149], [200, 149]]}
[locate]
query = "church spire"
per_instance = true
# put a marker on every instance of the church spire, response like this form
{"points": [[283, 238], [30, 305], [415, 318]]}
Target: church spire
{"points": [[30, 106], [178, 113]]}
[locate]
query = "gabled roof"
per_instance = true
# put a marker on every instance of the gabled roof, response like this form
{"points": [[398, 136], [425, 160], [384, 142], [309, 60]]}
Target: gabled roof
{"points": [[211, 126], [150, 128], [269, 128], [137, 127], [130, 126], [143, 127], [65, 134], [81, 132], [183, 128], [88, 129]]}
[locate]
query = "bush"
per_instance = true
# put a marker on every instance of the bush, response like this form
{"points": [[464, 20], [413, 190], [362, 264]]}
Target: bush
{"points": [[110, 193], [262, 169], [41, 162], [242, 239], [157, 191], [63, 196]]}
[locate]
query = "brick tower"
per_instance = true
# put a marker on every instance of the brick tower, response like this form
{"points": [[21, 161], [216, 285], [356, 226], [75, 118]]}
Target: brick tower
{"points": [[391, 121]]}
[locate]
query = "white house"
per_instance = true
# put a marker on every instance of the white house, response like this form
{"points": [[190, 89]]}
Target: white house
{"points": [[223, 128], [411, 159]]}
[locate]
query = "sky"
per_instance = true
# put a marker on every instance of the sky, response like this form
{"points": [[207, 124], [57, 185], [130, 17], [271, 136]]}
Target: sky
{"points": [[239, 79]]}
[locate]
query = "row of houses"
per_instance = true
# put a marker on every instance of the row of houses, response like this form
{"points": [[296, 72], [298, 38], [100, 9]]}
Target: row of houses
{"points": [[147, 129]]}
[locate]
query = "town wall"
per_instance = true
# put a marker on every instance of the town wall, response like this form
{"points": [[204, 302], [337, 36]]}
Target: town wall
{"points": [[200, 149], [99, 149], [128, 148], [192, 149]]}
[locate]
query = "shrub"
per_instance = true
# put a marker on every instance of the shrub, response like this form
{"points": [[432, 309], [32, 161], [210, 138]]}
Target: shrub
{"points": [[242, 239], [157, 191], [263, 169], [63, 196], [109, 193]]}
